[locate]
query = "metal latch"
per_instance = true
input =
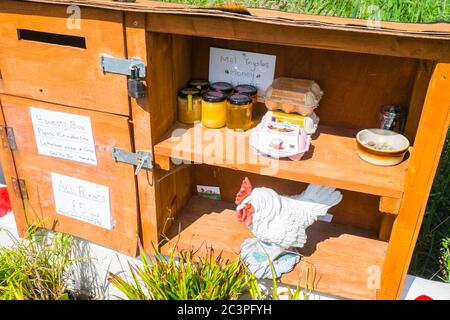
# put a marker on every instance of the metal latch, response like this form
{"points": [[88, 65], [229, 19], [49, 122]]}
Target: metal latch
{"points": [[140, 159], [134, 68], [123, 66], [8, 137]]}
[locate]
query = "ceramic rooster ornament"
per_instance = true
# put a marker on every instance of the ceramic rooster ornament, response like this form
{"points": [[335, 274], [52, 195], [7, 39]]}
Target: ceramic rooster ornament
{"points": [[279, 224]]}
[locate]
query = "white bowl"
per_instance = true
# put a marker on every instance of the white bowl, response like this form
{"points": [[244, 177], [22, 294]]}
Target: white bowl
{"points": [[381, 147]]}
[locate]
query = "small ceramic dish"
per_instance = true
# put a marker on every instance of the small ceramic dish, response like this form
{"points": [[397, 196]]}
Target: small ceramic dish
{"points": [[381, 147]]}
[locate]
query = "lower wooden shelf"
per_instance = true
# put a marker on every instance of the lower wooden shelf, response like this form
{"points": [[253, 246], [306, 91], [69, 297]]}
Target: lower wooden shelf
{"points": [[345, 260]]}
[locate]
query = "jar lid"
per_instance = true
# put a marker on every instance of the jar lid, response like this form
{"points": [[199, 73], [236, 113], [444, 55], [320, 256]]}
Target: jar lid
{"points": [[240, 99], [214, 96], [222, 86], [184, 92], [246, 89], [201, 84]]}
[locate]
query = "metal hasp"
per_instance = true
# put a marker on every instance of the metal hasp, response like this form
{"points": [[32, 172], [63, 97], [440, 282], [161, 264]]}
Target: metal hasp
{"points": [[126, 67], [140, 159]]}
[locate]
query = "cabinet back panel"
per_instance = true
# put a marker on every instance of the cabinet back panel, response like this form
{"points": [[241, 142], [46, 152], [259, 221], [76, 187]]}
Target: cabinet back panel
{"points": [[355, 85]]}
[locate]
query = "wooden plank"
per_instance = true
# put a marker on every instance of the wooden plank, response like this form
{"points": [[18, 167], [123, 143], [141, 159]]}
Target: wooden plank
{"points": [[222, 28], [389, 205], [142, 138], [337, 253], [62, 74], [430, 138], [332, 159], [9, 172], [422, 30], [387, 221], [108, 131], [419, 91]]}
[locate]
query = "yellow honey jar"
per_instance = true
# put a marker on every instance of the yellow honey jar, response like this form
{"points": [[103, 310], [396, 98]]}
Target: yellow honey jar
{"points": [[189, 105], [247, 89], [239, 112], [224, 87], [201, 84], [214, 109]]}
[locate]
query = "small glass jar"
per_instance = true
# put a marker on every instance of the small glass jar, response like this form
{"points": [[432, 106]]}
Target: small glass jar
{"points": [[200, 84], [239, 112], [223, 87], [189, 105], [214, 109], [392, 117], [247, 89]]}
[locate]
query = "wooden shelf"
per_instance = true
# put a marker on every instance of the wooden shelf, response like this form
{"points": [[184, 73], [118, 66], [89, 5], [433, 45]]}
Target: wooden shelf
{"points": [[332, 159], [340, 255]]}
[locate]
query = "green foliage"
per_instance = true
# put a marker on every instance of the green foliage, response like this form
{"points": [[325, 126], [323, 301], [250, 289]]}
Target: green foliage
{"points": [[36, 269], [190, 277], [386, 10], [185, 278]]}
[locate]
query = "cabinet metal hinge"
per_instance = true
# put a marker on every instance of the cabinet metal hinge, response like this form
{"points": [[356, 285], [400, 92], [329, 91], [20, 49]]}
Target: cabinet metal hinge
{"points": [[20, 188], [8, 137], [140, 159], [123, 66]]}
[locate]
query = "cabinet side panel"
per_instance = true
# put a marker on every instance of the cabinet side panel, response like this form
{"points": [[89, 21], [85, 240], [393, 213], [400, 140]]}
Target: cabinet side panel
{"points": [[430, 138]]}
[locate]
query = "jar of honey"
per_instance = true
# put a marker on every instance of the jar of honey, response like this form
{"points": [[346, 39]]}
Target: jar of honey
{"points": [[247, 89], [239, 112], [200, 84], [224, 87], [189, 105], [214, 109]]}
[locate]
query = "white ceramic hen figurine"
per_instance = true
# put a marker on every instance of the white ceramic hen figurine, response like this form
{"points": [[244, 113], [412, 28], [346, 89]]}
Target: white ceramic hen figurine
{"points": [[281, 221]]}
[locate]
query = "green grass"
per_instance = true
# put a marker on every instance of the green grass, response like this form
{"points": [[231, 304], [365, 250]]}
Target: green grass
{"points": [[387, 10], [184, 275], [36, 269]]}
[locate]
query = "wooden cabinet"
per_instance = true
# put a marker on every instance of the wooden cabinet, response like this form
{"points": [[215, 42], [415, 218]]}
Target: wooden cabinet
{"points": [[364, 253]]}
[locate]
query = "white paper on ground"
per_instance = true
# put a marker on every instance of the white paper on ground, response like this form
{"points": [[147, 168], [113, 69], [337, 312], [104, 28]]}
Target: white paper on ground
{"points": [[326, 218], [63, 135], [241, 67], [82, 200]]}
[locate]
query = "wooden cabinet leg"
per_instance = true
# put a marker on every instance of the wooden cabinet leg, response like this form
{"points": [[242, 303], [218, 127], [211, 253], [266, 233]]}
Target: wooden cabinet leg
{"points": [[387, 221], [423, 164]]}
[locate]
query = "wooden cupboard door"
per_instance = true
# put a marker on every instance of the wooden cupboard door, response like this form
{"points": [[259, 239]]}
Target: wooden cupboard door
{"points": [[63, 184], [48, 55]]}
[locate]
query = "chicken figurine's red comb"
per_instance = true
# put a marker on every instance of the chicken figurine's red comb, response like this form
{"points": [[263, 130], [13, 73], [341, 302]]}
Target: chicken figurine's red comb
{"points": [[246, 189]]}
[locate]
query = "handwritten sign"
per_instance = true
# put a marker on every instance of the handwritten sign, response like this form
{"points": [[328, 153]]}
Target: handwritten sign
{"points": [[241, 67], [82, 200], [63, 135]]}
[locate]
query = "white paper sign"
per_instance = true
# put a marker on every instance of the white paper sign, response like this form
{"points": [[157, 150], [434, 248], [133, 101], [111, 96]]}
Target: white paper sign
{"points": [[82, 200], [63, 135], [241, 67]]}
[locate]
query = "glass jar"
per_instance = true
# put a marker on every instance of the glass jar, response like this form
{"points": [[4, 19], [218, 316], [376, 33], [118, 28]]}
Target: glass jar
{"points": [[200, 84], [247, 89], [239, 112], [189, 105], [223, 87], [214, 109], [393, 117]]}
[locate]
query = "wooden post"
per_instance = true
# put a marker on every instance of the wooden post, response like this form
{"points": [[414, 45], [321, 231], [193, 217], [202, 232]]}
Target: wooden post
{"points": [[425, 156], [140, 113]]}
